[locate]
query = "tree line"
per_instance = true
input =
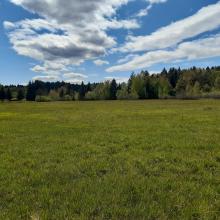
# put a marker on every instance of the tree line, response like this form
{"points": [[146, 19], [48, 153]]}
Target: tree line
{"points": [[172, 83]]}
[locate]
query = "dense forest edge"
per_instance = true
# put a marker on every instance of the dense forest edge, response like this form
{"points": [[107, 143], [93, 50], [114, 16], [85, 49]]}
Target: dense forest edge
{"points": [[178, 83]]}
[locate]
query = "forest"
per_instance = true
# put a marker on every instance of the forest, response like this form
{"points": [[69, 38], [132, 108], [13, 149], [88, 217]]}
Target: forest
{"points": [[178, 83]]}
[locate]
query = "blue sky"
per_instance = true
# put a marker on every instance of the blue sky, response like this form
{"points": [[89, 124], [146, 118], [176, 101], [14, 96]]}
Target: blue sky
{"points": [[96, 40]]}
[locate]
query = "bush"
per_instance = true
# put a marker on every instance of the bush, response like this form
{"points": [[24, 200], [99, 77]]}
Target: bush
{"points": [[43, 99], [124, 95], [90, 96], [212, 95], [76, 96], [54, 95], [67, 98]]}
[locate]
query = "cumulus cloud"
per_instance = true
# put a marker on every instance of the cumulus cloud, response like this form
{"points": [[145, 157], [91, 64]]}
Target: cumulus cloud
{"points": [[67, 32], [127, 58], [206, 19], [101, 62], [47, 78], [194, 50], [145, 11], [76, 78]]}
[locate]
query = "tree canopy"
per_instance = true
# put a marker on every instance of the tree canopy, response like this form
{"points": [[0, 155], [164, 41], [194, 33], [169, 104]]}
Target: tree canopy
{"points": [[172, 83]]}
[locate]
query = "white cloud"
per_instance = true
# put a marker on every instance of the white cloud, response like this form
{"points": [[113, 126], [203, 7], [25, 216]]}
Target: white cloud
{"points": [[194, 50], [75, 78], [8, 25], [145, 11], [156, 1], [101, 62], [74, 75], [46, 78], [127, 58], [207, 19], [49, 67], [67, 32]]}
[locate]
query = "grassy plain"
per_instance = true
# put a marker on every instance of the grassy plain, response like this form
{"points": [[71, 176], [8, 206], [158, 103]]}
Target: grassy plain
{"points": [[110, 160]]}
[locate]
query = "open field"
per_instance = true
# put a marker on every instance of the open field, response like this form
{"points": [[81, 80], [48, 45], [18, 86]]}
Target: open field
{"points": [[110, 160]]}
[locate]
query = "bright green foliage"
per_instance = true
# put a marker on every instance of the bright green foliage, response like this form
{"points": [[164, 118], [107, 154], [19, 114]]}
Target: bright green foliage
{"points": [[164, 87], [175, 83], [123, 94], [139, 85], [101, 92], [217, 83], [110, 160], [43, 98]]}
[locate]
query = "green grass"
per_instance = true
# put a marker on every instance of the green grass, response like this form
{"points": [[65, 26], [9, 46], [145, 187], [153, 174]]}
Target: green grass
{"points": [[110, 160]]}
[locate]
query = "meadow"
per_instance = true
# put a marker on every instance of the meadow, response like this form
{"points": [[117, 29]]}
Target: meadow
{"points": [[110, 160]]}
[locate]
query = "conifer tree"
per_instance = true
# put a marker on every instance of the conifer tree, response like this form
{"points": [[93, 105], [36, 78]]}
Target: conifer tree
{"points": [[8, 94], [113, 90], [20, 95], [82, 91], [2, 94], [31, 92]]}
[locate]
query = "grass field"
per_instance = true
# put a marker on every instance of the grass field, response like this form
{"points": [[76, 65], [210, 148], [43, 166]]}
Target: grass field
{"points": [[110, 160]]}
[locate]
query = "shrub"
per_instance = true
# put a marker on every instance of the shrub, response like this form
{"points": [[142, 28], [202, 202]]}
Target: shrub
{"points": [[54, 95], [67, 98], [90, 96], [43, 99]]}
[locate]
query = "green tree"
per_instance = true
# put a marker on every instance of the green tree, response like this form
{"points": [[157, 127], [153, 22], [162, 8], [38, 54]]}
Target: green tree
{"points": [[2, 93], [20, 95], [31, 92], [101, 92], [68, 89], [196, 89], [217, 83], [181, 87], [113, 90], [88, 87], [122, 93], [173, 76], [82, 91], [8, 94], [130, 82], [164, 87], [138, 86], [61, 93]]}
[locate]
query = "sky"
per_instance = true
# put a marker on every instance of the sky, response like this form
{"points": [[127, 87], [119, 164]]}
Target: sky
{"points": [[98, 40]]}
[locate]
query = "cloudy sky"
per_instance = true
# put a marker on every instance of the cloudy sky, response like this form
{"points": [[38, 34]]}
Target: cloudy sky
{"points": [[94, 40]]}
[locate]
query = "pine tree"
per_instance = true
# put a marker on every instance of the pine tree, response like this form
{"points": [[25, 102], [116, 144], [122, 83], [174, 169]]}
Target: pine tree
{"points": [[31, 92], [113, 90], [68, 89], [2, 93], [88, 88], [82, 91], [20, 95], [164, 72], [130, 82], [8, 95], [61, 94]]}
